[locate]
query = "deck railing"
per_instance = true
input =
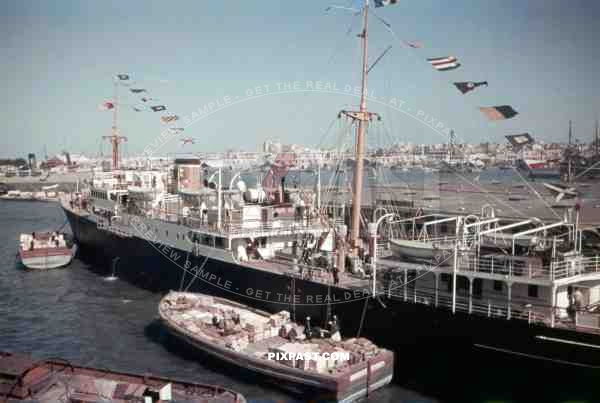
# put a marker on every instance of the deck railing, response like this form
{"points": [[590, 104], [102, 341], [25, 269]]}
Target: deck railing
{"points": [[485, 307], [505, 267], [582, 320], [255, 227], [588, 320], [526, 267], [576, 267]]}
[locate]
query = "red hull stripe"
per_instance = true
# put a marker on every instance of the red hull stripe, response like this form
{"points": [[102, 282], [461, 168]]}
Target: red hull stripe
{"points": [[46, 252]]}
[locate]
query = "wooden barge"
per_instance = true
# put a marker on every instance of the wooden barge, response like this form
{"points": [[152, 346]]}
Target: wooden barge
{"points": [[251, 339], [23, 379]]}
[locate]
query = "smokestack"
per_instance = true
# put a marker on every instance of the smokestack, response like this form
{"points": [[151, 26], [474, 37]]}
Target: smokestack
{"points": [[32, 162]]}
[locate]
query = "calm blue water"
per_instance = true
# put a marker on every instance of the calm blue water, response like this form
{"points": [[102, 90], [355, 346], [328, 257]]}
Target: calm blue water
{"points": [[78, 315]]}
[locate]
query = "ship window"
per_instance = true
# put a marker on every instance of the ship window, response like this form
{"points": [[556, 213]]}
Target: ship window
{"points": [[446, 277], [497, 285], [477, 287], [532, 291]]}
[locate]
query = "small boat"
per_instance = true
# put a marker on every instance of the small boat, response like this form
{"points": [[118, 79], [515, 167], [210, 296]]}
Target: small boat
{"points": [[17, 195], [304, 358], [46, 250], [422, 250], [542, 169], [23, 379]]}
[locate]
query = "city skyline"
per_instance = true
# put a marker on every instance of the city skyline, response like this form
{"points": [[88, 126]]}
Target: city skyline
{"points": [[538, 57]]}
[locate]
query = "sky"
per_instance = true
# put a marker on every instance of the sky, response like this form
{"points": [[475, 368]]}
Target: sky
{"points": [[59, 60]]}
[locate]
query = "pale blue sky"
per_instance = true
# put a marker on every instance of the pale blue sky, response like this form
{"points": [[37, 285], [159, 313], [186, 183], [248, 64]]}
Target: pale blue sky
{"points": [[541, 56]]}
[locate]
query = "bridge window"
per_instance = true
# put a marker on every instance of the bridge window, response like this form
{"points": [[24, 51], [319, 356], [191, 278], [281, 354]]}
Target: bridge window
{"points": [[497, 285]]}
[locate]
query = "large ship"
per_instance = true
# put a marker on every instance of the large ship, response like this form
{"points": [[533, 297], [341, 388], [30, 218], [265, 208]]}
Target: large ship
{"points": [[513, 286]]}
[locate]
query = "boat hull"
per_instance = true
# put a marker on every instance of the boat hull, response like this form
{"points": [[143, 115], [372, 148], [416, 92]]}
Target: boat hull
{"points": [[47, 258], [420, 334], [540, 171]]}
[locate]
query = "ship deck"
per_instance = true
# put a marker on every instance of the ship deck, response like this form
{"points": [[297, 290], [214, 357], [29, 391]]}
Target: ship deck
{"points": [[451, 195]]}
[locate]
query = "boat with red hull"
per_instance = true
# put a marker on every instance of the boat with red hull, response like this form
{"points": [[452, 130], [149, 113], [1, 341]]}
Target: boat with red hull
{"points": [[540, 168], [42, 251], [24, 379]]}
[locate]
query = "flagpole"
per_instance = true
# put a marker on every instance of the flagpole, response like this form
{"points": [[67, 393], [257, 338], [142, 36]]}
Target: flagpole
{"points": [[115, 132]]}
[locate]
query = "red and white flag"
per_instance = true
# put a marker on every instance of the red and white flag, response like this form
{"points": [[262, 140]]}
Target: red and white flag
{"points": [[444, 63], [105, 106]]}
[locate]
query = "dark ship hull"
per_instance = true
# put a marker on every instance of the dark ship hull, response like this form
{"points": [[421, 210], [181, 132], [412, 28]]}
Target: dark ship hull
{"points": [[431, 343]]}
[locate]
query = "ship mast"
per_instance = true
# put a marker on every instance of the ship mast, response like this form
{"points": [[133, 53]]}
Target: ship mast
{"points": [[363, 117], [569, 173], [115, 139]]}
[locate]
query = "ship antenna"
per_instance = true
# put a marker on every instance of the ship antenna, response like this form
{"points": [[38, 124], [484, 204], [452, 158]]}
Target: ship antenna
{"points": [[569, 173], [115, 139], [597, 144]]}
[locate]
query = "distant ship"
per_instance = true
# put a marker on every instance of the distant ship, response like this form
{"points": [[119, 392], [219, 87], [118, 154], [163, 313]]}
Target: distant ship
{"points": [[43, 196], [546, 169]]}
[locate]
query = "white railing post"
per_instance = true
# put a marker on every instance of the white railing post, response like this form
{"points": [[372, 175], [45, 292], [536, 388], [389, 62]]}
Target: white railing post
{"points": [[552, 309], [470, 295], [508, 310], [455, 268], [437, 276], [489, 309], [405, 285]]}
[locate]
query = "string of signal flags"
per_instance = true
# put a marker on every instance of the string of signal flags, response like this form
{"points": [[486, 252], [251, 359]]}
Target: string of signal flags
{"points": [[447, 63], [145, 103], [443, 64]]}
